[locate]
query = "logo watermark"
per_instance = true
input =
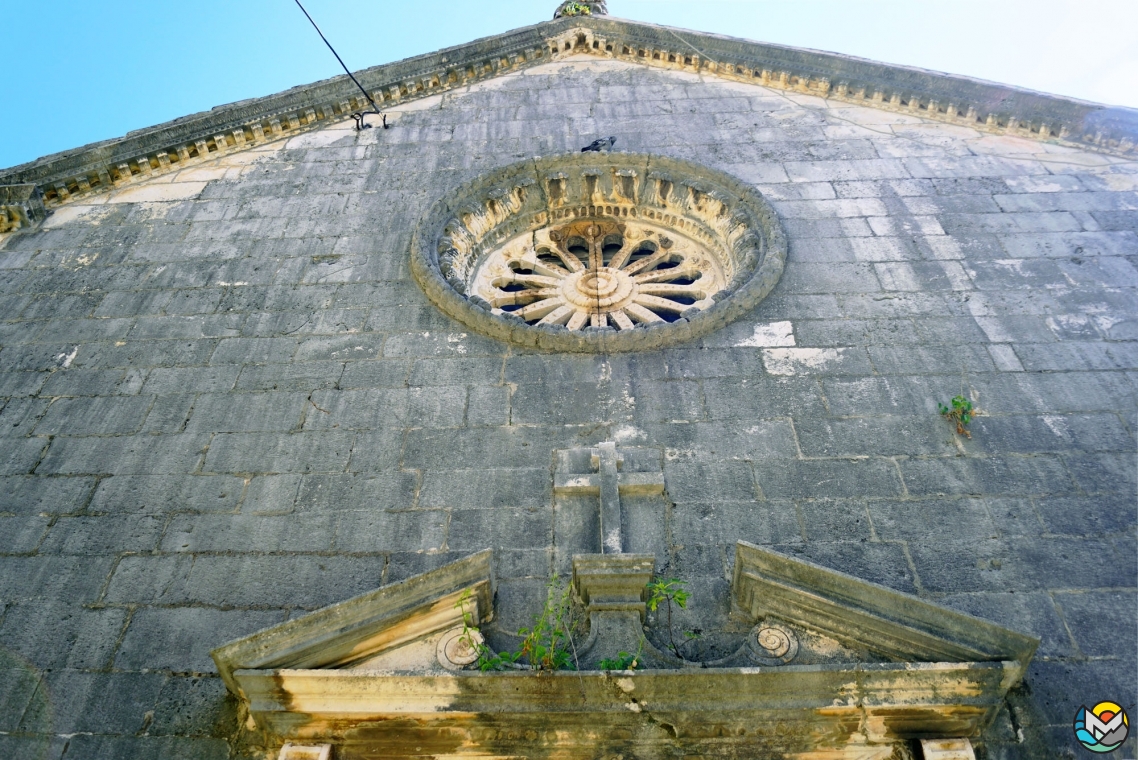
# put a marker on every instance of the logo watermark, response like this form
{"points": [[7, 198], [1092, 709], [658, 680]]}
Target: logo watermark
{"points": [[1102, 728]]}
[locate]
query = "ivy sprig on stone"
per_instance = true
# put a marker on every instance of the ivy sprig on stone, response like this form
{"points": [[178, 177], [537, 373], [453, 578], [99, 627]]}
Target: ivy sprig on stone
{"points": [[961, 412]]}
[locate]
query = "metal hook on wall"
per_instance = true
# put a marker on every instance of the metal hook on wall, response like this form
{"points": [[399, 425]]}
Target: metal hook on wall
{"points": [[359, 116], [361, 124]]}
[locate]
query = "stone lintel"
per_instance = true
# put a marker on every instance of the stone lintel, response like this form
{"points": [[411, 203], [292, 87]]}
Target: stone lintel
{"points": [[849, 712]]}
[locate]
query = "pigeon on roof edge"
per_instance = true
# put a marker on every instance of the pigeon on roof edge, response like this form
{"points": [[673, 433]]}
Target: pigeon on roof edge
{"points": [[604, 145]]}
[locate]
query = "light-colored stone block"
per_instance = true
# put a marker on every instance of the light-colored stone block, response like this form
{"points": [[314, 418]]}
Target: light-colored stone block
{"points": [[305, 752], [947, 749], [770, 335], [158, 191]]}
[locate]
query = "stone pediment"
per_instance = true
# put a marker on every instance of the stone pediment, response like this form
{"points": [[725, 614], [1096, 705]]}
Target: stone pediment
{"points": [[357, 631], [837, 668], [868, 617]]}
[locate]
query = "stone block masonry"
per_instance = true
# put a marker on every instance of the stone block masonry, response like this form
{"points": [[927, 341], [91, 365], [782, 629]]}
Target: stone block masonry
{"points": [[224, 401]]}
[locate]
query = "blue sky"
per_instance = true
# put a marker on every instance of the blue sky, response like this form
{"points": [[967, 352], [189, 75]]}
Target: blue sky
{"points": [[81, 71]]}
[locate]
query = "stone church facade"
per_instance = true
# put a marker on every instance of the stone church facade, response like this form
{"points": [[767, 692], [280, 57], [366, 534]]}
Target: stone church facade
{"points": [[256, 363]]}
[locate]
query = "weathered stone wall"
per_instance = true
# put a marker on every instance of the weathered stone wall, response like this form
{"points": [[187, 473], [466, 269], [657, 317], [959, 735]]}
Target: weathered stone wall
{"points": [[225, 401]]}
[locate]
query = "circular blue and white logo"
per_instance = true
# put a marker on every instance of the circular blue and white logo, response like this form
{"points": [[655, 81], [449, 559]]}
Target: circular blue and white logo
{"points": [[1102, 728]]}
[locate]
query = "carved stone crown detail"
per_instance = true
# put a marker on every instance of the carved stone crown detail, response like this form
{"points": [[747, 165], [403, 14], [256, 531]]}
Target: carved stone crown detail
{"points": [[581, 8], [600, 252]]}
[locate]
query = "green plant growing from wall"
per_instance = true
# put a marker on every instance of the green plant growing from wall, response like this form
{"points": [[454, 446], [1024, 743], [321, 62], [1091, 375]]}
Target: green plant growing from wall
{"points": [[488, 659], [623, 660], [545, 646], [576, 9], [961, 412], [548, 644], [668, 592]]}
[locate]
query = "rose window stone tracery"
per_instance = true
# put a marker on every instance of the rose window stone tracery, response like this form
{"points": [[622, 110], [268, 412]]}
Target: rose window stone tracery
{"points": [[599, 273], [600, 252]]}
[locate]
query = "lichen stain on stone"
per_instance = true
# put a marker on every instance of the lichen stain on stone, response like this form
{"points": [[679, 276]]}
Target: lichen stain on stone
{"points": [[587, 735], [406, 737], [891, 723], [945, 687]]}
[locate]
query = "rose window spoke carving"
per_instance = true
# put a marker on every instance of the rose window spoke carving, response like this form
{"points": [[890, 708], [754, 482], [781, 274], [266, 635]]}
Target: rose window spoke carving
{"points": [[599, 252], [599, 273]]}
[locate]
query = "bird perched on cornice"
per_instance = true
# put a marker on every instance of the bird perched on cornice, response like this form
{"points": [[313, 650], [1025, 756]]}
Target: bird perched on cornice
{"points": [[603, 145]]}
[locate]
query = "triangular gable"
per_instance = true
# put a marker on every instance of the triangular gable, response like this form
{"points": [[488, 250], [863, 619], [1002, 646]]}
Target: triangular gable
{"points": [[190, 140], [868, 616], [359, 628]]}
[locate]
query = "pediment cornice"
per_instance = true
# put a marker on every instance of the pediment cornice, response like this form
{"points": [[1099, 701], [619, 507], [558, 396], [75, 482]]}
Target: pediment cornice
{"points": [[996, 108], [372, 675], [352, 631], [866, 616]]}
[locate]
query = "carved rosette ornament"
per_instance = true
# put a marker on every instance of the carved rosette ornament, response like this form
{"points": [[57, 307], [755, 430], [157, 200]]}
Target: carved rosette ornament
{"points": [[458, 647], [599, 252]]}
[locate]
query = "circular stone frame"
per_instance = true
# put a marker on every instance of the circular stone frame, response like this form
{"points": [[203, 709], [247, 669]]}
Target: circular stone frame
{"points": [[706, 206]]}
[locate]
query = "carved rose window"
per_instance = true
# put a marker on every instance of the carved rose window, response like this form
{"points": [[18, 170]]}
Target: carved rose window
{"points": [[599, 273], [603, 252]]}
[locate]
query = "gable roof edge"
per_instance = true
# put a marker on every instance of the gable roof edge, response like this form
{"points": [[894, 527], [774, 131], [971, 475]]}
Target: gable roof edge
{"points": [[996, 108]]}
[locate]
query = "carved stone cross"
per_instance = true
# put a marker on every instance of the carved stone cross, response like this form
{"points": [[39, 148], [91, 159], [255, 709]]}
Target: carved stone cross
{"points": [[601, 472]]}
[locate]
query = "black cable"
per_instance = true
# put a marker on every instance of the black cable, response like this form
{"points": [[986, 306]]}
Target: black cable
{"points": [[359, 117]]}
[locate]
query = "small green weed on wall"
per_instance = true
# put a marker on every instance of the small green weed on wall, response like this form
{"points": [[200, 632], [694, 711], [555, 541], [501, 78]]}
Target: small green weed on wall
{"points": [[576, 9]]}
